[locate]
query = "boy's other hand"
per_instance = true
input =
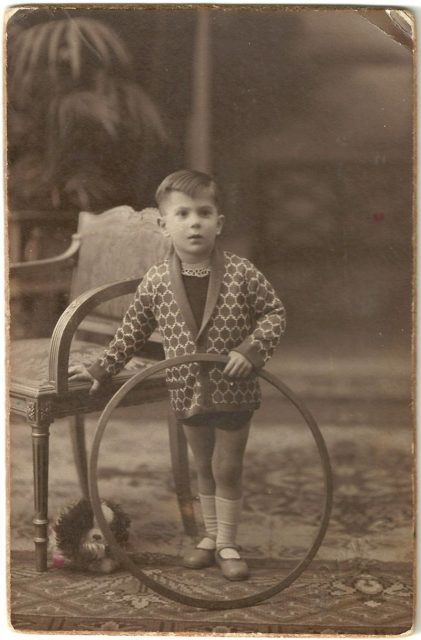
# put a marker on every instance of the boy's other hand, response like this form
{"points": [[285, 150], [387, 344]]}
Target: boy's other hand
{"points": [[81, 373], [237, 366]]}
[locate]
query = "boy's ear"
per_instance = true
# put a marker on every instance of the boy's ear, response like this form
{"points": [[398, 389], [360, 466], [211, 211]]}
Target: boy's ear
{"points": [[162, 225], [221, 220]]}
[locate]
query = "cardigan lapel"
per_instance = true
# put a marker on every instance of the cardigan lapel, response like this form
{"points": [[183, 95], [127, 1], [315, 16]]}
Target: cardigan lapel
{"points": [[215, 281], [180, 293]]}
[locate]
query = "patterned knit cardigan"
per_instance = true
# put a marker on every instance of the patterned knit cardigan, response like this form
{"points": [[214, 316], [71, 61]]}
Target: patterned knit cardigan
{"points": [[242, 313]]}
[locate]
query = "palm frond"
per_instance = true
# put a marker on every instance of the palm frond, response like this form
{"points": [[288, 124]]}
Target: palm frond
{"points": [[114, 44], [89, 33], [142, 109], [44, 47], [53, 48], [26, 54], [39, 38], [102, 41], [79, 106], [86, 189], [74, 49], [22, 50]]}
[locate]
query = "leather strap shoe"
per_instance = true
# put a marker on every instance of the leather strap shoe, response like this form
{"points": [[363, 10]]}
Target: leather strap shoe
{"points": [[199, 558], [232, 568]]}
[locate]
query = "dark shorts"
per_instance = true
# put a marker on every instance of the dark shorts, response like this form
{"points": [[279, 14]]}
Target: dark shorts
{"points": [[227, 420]]}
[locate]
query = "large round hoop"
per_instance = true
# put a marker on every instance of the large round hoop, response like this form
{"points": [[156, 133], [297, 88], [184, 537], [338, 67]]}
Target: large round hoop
{"points": [[121, 554]]}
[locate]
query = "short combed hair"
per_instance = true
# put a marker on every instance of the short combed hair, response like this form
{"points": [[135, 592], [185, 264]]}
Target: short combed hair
{"points": [[189, 182]]}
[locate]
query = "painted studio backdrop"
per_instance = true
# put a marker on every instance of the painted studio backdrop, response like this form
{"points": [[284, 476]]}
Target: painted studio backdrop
{"points": [[305, 118]]}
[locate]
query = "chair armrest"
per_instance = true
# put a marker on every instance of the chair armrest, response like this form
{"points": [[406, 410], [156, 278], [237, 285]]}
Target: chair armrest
{"points": [[40, 267], [69, 321]]}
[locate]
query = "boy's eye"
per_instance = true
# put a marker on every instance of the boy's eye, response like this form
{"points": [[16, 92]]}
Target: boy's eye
{"points": [[182, 213], [205, 211]]}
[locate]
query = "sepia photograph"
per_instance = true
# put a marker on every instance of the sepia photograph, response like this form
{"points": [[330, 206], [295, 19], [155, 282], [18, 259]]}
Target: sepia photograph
{"points": [[210, 228]]}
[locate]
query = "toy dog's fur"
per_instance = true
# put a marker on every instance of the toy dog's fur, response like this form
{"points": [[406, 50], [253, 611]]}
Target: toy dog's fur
{"points": [[79, 542]]}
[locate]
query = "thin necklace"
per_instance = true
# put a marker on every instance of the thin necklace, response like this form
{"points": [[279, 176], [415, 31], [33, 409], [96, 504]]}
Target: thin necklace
{"points": [[200, 269]]}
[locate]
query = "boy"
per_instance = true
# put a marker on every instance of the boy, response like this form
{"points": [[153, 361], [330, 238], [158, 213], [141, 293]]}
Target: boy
{"points": [[204, 300]]}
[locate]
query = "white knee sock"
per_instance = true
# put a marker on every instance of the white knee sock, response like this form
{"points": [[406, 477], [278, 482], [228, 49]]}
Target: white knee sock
{"points": [[228, 515], [207, 504]]}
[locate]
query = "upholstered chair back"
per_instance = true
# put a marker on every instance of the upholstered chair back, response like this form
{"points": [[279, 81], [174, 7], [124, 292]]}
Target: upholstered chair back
{"points": [[117, 245]]}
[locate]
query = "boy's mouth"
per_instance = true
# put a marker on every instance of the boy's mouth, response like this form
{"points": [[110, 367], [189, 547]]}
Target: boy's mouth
{"points": [[195, 236]]}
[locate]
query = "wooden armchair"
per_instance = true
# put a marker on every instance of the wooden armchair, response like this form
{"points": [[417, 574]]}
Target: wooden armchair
{"points": [[108, 256]]}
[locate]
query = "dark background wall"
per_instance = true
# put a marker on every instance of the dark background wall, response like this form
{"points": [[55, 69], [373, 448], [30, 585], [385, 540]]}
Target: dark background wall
{"points": [[311, 141], [312, 121]]}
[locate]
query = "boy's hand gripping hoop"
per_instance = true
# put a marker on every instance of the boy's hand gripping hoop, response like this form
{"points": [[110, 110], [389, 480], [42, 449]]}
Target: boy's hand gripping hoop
{"points": [[134, 568]]}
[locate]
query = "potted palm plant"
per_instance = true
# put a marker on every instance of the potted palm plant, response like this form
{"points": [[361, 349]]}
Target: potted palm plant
{"points": [[81, 129]]}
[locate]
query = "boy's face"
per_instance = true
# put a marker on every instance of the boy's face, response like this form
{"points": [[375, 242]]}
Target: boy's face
{"points": [[191, 223]]}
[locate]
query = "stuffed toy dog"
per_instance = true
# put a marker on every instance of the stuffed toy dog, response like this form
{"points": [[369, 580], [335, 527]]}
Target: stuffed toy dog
{"points": [[78, 541]]}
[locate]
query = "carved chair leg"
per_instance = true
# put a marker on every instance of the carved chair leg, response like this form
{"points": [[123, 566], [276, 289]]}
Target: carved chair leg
{"points": [[77, 434], [40, 446], [180, 468]]}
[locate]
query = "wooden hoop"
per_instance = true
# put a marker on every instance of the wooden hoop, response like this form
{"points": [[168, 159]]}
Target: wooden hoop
{"points": [[121, 554]]}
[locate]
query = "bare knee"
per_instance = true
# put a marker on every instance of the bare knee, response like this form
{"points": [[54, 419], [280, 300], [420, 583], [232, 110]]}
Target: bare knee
{"points": [[204, 468], [227, 473]]}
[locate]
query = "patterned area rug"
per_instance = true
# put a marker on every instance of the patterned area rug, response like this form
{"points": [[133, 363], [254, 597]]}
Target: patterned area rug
{"points": [[328, 597], [360, 582]]}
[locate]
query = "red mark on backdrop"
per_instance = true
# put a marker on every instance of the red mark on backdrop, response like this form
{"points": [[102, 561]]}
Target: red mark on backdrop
{"points": [[377, 217]]}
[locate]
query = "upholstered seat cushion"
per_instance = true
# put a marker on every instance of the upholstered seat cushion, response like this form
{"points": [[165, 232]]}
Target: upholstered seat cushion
{"points": [[29, 359]]}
